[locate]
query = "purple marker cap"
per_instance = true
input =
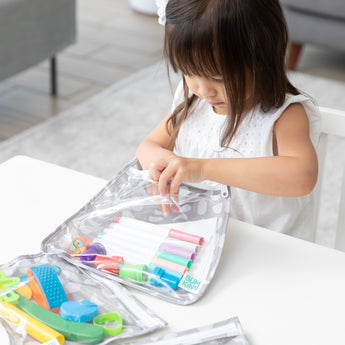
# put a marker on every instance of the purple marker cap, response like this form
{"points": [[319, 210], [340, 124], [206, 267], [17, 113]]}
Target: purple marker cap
{"points": [[171, 249], [92, 251]]}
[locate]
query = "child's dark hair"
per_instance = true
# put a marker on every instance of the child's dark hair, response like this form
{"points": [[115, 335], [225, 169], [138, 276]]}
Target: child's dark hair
{"points": [[229, 38]]}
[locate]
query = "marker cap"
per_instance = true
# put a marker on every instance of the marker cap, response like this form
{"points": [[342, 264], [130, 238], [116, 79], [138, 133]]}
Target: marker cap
{"points": [[91, 252], [161, 277], [134, 272], [109, 263]]}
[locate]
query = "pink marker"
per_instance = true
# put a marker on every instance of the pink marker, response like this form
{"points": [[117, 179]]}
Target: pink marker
{"points": [[185, 236], [154, 228]]}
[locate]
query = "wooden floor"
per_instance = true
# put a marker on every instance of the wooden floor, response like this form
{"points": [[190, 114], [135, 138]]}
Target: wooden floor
{"points": [[113, 42]]}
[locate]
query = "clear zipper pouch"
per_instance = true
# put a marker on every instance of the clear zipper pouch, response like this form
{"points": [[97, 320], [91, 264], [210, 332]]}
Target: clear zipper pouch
{"points": [[11, 334], [121, 233], [228, 332], [45, 299]]}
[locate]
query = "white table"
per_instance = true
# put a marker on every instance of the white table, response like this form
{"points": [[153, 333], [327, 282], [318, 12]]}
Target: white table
{"points": [[284, 290]]}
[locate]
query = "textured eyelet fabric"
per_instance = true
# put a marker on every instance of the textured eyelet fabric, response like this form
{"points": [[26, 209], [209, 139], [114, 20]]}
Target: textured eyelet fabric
{"points": [[200, 137]]}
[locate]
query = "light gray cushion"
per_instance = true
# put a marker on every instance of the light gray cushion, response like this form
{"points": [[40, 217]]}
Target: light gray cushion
{"points": [[32, 31], [307, 28], [333, 8]]}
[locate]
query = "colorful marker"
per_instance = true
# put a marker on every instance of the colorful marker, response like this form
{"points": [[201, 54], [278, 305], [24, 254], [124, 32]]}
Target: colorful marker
{"points": [[171, 249], [154, 228], [170, 265]]}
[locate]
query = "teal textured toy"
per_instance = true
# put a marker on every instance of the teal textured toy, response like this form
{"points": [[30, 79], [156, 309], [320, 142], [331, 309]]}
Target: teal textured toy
{"points": [[24, 279], [46, 287]]}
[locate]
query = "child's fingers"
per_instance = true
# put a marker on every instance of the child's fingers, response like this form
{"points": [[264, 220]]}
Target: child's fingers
{"points": [[173, 189], [164, 179], [174, 206], [165, 209], [175, 185], [155, 170], [155, 173], [152, 189]]}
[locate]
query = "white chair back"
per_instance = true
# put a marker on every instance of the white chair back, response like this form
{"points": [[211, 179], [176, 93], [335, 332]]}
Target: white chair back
{"points": [[332, 123]]}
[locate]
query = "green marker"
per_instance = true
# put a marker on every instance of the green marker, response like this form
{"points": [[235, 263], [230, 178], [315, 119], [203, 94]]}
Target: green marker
{"points": [[134, 272], [174, 258]]}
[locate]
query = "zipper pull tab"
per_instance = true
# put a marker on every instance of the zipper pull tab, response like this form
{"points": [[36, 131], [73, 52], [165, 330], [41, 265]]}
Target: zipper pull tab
{"points": [[224, 190]]}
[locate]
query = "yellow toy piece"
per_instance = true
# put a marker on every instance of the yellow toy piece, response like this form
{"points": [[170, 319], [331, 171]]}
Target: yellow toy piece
{"points": [[33, 327], [25, 291]]}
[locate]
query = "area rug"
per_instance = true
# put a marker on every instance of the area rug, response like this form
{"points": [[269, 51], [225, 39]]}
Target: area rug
{"points": [[100, 135]]}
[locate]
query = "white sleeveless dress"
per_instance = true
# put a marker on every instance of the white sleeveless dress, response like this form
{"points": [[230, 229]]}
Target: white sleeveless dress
{"points": [[199, 137]]}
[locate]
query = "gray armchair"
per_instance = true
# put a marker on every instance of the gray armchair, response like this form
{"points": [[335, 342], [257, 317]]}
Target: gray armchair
{"points": [[317, 22], [32, 31]]}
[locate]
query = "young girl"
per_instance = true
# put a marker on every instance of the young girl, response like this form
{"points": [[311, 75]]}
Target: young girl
{"points": [[236, 119]]}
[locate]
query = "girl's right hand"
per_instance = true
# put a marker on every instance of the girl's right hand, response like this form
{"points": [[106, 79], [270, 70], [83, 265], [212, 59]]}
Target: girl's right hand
{"points": [[155, 171], [173, 170]]}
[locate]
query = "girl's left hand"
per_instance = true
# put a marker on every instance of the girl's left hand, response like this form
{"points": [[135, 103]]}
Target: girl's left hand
{"points": [[175, 169]]}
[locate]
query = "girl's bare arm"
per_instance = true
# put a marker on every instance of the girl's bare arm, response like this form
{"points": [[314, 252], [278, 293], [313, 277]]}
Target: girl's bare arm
{"points": [[153, 148], [291, 172]]}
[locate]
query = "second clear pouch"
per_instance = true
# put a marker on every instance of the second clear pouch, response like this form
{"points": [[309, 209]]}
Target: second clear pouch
{"points": [[45, 298]]}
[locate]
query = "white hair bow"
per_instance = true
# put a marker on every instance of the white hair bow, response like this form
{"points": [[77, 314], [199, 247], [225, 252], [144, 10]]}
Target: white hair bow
{"points": [[161, 5]]}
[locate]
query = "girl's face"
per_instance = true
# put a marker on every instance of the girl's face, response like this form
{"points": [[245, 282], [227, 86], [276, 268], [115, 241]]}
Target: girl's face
{"points": [[212, 90]]}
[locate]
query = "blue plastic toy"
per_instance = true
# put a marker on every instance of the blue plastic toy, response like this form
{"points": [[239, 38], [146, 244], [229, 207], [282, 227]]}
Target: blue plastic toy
{"points": [[82, 311]]}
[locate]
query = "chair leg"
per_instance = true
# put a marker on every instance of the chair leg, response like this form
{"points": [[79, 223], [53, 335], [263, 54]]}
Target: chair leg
{"points": [[294, 53], [53, 76]]}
